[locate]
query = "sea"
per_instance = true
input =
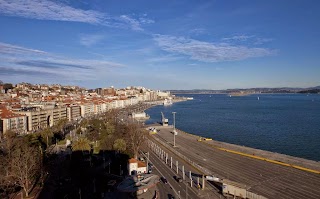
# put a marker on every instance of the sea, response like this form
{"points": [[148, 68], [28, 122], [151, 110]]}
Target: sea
{"points": [[282, 123]]}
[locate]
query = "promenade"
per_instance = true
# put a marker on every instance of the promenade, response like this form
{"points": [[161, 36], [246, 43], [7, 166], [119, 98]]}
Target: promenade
{"points": [[269, 179]]}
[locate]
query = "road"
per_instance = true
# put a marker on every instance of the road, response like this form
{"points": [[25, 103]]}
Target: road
{"points": [[163, 169], [260, 177]]}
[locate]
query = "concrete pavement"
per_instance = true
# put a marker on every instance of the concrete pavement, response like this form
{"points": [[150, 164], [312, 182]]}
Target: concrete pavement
{"points": [[261, 177]]}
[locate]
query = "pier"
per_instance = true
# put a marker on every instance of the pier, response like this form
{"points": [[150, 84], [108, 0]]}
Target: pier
{"points": [[260, 173]]}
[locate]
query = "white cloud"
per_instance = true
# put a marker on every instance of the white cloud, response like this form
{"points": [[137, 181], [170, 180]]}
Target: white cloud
{"points": [[135, 24], [162, 59], [208, 52], [90, 40], [13, 49], [238, 38], [49, 10], [253, 39], [260, 41], [144, 20], [17, 60]]}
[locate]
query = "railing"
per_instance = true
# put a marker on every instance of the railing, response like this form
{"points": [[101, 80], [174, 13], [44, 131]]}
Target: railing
{"points": [[197, 166], [249, 194]]}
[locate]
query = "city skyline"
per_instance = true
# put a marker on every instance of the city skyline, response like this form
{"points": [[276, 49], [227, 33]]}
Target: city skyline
{"points": [[161, 45]]}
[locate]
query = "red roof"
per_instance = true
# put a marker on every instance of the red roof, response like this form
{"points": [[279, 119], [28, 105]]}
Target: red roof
{"points": [[140, 163], [7, 114]]}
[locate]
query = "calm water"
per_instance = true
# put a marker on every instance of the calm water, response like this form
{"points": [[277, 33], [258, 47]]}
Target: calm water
{"points": [[283, 123]]}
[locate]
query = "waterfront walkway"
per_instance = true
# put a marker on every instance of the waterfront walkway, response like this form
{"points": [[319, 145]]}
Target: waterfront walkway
{"points": [[258, 176]]}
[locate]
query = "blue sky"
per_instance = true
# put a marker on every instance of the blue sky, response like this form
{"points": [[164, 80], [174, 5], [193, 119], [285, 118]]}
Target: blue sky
{"points": [[171, 44]]}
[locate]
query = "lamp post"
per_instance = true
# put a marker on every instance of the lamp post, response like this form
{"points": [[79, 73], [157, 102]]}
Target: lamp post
{"points": [[174, 129]]}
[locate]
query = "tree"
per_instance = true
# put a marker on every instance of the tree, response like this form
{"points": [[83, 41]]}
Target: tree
{"points": [[84, 122], [46, 134], [23, 166], [82, 144], [136, 137], [10, 137], [59, 126], [106, 135], [120, 145]]}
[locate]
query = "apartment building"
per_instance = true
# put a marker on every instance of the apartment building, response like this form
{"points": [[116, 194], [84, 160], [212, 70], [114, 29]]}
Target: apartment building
{"points": [[9, 121], [73, 112], [87, 109], [39, 118], [98, 107]]}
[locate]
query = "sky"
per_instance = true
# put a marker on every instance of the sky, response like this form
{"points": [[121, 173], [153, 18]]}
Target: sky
{"points": [[161, 44]]}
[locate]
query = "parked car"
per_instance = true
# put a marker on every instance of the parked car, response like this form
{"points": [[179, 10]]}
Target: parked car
{"points": [[150, 170], [164, 180], [141, 159], [178, 179], [150, 165]]}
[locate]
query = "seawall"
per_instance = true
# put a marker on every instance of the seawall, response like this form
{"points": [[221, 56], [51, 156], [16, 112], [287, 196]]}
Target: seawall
{"points": [[262, 154]]}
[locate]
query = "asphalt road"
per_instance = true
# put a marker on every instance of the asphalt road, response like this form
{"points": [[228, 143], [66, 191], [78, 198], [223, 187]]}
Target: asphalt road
{"points": [[264, 178], [164, 169]]}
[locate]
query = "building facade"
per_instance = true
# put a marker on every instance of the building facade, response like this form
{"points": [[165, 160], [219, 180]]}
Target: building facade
{"points": [[73, 112], [10, 121], [42, 118]]}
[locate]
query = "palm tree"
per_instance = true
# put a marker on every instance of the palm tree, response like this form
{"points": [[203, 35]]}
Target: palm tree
{"points": [[58, 127], [82, 144], [46, 134]]}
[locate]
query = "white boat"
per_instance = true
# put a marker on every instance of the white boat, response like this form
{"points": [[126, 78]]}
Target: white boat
{"points": [[189, 98], [167, 102], [140, 116], [258, 98]]}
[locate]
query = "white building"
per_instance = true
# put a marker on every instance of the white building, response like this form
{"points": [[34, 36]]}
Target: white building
{"points": [[13, 122], [87, 109], [162, 94], [136, 167]]}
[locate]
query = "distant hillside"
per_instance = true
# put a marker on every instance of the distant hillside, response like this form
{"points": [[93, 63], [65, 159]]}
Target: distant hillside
{"points": [[310, 91], [249, 90]]}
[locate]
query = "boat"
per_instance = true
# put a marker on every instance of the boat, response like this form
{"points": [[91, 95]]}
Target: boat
{"points": [[189, 98], [167, 102], [141, 116], [258, 98]]}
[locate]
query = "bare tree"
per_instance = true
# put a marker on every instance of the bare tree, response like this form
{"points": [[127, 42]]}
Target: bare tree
{"points": [[136, 136], [10, 141], [24, 167]]}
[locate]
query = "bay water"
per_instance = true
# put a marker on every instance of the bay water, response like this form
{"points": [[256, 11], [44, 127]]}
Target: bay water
{"points": [[282, 123]]}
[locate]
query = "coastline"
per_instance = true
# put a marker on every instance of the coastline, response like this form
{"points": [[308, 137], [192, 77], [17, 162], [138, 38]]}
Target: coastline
{"points": [[274, 157]]}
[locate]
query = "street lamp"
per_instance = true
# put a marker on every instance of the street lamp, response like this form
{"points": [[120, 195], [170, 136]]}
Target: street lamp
{"points": [[174, 129]]}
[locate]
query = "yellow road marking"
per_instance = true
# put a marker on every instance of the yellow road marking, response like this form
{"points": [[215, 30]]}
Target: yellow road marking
{"points": [[266, 159], [260, 158]]}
